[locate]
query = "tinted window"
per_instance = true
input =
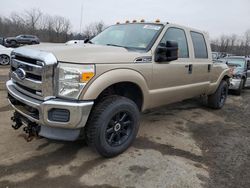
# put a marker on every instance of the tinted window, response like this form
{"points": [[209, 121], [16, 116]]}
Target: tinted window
{"points": [[200, 47], [179, 36]]}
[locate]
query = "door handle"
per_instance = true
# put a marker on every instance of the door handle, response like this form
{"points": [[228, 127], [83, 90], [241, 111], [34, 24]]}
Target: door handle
{"points": [[209, 67], [190, 69]]}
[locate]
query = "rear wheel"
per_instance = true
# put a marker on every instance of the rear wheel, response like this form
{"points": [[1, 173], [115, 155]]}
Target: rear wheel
{"points": [[13, 43], [112, 126], [218, 99], [4, 60]]}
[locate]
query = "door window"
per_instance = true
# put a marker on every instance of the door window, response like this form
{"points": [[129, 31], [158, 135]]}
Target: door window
{"points": [[179, 36], [200, 47]]}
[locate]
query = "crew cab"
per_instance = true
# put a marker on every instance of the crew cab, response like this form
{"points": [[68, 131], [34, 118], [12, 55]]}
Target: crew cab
{"points": [[97, 90]]}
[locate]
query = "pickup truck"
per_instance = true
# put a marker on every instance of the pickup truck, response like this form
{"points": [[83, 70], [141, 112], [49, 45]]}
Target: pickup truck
{"points": [[97, 90], [240, 68]]}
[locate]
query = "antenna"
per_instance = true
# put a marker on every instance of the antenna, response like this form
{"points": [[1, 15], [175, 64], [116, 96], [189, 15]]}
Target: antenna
{"points": [[81, 19]]}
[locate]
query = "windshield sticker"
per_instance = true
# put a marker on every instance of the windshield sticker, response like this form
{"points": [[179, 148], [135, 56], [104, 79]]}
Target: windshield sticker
{"points": [[152, 27]]}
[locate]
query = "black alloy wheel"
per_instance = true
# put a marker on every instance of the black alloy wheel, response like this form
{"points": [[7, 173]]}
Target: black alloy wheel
{"points": [[119, 129]]}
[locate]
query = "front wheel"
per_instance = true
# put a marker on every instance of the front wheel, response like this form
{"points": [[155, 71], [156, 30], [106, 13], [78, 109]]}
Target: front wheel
{"points": [[4, 60], [218, 99], [112, 126]]}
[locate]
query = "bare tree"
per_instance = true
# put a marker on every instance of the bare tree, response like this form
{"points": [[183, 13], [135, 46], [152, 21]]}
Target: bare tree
{"points": [[94, 29], [33, 17]]}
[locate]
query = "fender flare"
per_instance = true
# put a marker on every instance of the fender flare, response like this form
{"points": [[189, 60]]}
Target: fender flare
{"points": [[213, 86], [111, 77]]}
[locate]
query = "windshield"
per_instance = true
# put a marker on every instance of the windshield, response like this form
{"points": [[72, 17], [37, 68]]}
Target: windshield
{"points": [[238, 62], [135, 36]]}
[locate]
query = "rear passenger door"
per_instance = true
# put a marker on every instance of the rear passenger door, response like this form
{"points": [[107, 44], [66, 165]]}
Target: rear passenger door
{"points": [[202, 63]]}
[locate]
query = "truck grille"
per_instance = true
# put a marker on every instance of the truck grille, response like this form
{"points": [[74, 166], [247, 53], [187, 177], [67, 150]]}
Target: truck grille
{"points": [[32, 73]]}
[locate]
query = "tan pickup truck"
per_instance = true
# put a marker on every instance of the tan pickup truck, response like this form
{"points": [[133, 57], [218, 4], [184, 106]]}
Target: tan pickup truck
{"points": [[97, 90]]}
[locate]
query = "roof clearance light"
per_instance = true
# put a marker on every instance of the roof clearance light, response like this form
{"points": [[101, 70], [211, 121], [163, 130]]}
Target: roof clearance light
{"points": [[127, 21], [157, 21], [142, 21], [117, 23], [134, 21]]}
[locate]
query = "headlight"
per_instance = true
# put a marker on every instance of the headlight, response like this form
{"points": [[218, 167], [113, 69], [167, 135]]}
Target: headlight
{"points": [[73, 78]]}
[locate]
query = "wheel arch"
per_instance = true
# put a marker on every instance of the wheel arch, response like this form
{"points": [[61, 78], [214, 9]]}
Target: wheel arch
{"points": [[225, 75], [117, 82]]}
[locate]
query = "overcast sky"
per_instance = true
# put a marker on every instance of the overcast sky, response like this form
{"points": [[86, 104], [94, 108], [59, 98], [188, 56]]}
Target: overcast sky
{"points": [[214, 16]]}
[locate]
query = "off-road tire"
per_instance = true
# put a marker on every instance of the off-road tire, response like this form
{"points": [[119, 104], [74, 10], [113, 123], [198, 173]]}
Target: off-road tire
{"points": [[218, 99], [96, 130]]}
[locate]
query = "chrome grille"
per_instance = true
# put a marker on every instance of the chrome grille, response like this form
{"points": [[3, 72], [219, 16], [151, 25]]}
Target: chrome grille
{"points": [[39, 71]]}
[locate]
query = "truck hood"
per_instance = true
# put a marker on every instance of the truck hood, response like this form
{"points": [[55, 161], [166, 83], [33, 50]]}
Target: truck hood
{"points": [[88, 53]]}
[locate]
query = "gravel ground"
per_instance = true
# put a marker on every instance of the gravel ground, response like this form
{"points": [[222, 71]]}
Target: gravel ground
{"points": [[180, 145]]}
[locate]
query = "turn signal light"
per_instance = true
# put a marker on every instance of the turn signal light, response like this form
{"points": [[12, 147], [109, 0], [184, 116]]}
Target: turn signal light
{"points": [[86, 76]]}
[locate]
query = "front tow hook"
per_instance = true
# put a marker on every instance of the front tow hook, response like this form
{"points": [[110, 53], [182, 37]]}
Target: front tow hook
{"points": [[31, 129]]}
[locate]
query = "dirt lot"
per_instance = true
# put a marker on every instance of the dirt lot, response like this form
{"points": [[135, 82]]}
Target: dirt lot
{"points": [[180, 145]]}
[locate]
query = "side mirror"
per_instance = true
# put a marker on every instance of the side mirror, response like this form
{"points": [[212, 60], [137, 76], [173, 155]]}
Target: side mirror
{"points": [[167, 52]]}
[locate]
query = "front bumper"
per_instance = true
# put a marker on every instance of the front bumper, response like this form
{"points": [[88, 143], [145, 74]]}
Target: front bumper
{"points": [[38, 111], [234, 84]]}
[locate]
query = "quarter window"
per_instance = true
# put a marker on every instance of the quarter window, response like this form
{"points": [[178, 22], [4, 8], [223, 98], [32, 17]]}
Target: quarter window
{"points": [[200, 47], [179, 36]]}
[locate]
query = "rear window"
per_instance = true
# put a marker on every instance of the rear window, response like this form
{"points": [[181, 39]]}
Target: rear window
{"points": [[200, 47]]}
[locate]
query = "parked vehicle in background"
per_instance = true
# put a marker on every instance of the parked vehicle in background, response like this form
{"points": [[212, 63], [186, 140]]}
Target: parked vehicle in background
{"points": [[218, 55], [22, 39], [240, 71], [5, 55], [248, 72], [98, 90], [2, 41], [74, 42]]}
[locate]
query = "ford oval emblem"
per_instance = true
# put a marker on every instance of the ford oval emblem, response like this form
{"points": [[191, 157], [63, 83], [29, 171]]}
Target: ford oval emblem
{"points": [[21, 74]]}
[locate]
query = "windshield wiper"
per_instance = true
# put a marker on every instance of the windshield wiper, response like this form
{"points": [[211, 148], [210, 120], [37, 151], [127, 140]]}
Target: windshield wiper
{"points": [[116, 45], [88, 41]]}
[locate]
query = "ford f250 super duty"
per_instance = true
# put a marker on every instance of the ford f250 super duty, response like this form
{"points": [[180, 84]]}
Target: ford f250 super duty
{"points": [[97, 90]]}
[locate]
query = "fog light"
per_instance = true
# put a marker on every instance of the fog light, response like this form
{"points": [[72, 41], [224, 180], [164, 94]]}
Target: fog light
{"points": [[59, 115]]}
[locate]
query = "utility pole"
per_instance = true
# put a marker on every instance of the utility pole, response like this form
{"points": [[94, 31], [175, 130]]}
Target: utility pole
{"points": [[81, 18]]}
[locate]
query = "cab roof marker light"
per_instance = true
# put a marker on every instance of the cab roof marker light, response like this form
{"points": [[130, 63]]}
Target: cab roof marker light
{"points": [[127, 21], [117, 23], [157, 21], [142, 21], [134, 21]]}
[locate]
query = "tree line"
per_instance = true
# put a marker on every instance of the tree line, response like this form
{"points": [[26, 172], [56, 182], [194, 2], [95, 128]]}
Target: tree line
{"points": [[59, 29], [232, 44], [47, 27]]}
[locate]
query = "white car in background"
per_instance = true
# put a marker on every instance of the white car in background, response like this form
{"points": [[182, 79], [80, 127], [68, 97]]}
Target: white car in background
{"points": [[74, 42], [5, 55]]}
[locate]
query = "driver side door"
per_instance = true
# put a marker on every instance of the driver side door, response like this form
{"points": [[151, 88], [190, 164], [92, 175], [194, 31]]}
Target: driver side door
{"points": [[171, 79]]}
